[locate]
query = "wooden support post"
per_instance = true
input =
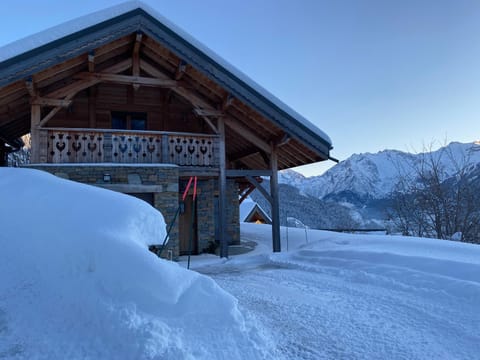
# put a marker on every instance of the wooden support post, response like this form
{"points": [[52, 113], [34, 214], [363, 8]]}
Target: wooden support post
{"points": [[107, 147], [275, 201], [35, 117], [222, 190]]}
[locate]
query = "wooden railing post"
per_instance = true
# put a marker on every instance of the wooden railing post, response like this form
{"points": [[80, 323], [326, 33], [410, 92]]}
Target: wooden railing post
{"points": [[107, 147], [42, 145], [165, 149]]}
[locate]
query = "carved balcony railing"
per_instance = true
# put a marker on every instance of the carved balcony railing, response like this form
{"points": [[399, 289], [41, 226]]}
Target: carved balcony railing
{"points": [[121, 146]]}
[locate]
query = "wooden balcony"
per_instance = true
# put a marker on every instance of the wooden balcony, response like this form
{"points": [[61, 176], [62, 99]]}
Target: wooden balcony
{"points": [[65, 145]]}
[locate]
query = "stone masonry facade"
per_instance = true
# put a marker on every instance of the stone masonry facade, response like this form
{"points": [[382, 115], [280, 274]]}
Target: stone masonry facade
{"points": [[160, 181], [164, 186]]}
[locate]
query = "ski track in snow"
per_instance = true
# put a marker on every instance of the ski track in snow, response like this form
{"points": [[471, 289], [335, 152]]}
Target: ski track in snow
{"points": [[326, 305]]}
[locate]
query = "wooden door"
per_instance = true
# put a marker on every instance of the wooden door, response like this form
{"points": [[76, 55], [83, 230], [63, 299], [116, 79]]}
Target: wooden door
{"points": [[185, 228]]}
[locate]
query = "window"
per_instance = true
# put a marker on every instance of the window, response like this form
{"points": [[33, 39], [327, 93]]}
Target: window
{"points": [[129, 120]]}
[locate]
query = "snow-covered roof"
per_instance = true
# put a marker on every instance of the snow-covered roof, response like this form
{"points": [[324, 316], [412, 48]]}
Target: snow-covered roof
{"points": [[248, 206], [241, 86]]}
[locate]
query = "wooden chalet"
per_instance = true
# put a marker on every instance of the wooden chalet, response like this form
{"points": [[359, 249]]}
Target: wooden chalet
{"points": [[252, 212], [124, 100]]}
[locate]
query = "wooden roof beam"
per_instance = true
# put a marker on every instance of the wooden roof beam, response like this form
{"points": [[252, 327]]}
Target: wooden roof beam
{"points": [[227, 102], [197, 102], [208, 113], [136, 58], [77, 86], [181, 68], [245, 194], [211, 124], [69, 91], [91, 61], [42, 101], [248, 135], [31, 88], [127, 79]]}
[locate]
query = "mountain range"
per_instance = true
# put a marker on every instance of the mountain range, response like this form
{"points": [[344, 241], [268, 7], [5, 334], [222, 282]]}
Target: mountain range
{"points": [[363, 185]]}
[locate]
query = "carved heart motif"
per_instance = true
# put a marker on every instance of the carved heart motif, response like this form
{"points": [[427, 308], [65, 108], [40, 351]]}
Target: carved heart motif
{"points": [[60, 146]]}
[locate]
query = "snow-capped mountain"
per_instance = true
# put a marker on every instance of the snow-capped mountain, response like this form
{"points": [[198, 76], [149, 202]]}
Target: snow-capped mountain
{"points": [[374, 176]]}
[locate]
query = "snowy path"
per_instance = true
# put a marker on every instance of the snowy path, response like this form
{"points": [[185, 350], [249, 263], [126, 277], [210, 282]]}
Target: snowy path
{"points": [[335, 304]]}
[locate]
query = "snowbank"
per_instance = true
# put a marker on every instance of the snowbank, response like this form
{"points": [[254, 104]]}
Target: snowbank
{"points": [[77, 281], [346, 296]]}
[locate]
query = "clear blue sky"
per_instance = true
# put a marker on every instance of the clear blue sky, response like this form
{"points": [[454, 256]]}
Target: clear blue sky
{"points": [[373, 74]]}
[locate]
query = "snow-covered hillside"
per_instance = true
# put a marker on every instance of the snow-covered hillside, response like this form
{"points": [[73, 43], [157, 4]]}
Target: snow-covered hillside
{"points": [[342, 296], [373, 176], [77, 281]]}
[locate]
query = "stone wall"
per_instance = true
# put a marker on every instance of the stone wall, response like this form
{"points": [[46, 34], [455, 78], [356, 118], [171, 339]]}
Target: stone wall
{"points": [[233, 213], [206, 215], [161, 181]]}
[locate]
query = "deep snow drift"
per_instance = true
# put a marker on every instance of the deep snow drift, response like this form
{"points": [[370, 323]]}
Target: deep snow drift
{"points": [[77, 281], [343, 296]]}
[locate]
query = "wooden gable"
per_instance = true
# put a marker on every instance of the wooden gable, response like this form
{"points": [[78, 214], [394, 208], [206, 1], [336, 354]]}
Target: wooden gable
{"points": [[134, 62]]}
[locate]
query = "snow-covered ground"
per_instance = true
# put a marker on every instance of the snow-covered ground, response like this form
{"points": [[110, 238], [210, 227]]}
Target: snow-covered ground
{"points": [[77, 282], [343, 296]]}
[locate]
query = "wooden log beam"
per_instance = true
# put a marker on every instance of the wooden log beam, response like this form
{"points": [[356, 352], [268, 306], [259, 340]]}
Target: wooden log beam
{"points": [[209, 112], [260, 188], [31, 88], [136, 59], [42, 101], [250, 189], [91, 61], [202, 104], [227, 102], [77, 86], [126, 79], [50, 115], [210, 123], [245, 173], [181, 68], [186, 94], [248, 135]]}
